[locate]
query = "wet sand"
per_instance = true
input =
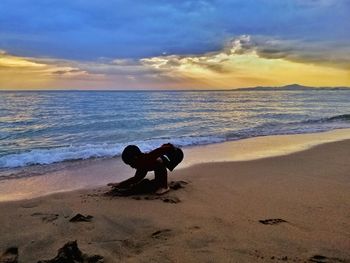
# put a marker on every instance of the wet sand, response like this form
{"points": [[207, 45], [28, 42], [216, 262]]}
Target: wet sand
{"points": [[42, 180], [292, 208]]}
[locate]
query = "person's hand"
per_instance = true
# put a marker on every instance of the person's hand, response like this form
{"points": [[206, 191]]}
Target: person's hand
{"points": [[115, 185]]}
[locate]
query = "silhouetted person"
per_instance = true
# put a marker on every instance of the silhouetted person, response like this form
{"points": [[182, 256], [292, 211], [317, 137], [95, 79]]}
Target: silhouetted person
{"points": [[159, 160]]}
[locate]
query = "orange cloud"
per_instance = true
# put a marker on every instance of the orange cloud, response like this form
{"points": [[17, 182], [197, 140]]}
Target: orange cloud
{"points": [[31, 73], [246, 62], [243, 62]]}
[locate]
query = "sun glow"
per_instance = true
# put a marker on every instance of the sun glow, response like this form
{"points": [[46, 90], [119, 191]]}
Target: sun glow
{"points": [[248, 69]]}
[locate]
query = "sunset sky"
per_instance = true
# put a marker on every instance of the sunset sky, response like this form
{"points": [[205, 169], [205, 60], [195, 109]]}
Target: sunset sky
{"points": [[205, 44]]}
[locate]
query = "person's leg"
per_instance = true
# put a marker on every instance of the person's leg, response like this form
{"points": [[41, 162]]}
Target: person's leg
{"points": [[161, 178]]}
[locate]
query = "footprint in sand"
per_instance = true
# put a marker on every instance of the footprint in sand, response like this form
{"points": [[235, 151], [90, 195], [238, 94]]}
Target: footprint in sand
{"points": [[46, 217], [10, 255], [200, 242], [170, 199], [165, 199], [175, 185], [274, 221], [30, 204], [146, 187]]}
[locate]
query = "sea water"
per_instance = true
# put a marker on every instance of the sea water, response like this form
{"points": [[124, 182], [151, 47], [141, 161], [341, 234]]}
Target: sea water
{"points": [[45, 127]]}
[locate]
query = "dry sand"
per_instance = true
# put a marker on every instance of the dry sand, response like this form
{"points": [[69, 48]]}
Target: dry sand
{"points": [[292, 208]]}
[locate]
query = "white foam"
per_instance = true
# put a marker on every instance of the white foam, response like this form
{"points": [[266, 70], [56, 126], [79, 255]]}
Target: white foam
{"points": [[49, 156]]}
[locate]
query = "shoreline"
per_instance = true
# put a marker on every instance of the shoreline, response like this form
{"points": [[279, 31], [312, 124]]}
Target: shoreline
{"points": [[92, 173], [292, 208]]}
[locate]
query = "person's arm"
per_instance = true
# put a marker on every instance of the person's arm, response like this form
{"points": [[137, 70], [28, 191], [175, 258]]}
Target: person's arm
{"points": [[139, 175], [164, 149]]}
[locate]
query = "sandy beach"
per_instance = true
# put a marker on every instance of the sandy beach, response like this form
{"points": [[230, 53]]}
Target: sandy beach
{"points": [[175, 131], [292, 208]]}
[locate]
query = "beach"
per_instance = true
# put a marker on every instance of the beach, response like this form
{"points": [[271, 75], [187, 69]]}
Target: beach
{"points": [[174, 131], [290, 205]]}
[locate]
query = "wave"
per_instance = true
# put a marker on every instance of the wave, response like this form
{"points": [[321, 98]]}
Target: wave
{"points": [[342, 117], [55, 155], [296, 127], [337, 118], [80, 152]]}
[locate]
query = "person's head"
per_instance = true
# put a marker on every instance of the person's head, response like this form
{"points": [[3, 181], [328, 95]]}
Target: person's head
{"points": [[130, 154]]}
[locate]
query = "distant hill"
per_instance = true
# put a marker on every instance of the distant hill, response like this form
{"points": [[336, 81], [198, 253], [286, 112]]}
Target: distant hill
{"points": [[291, 87]]}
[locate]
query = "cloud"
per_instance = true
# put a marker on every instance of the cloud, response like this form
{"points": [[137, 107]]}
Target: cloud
{"points": [[326, 54], [65, 72], [27, 73], [87, 30], [242, 61], [259, 59]]}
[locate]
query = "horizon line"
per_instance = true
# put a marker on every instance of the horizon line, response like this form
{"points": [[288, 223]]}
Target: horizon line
{"points": [[180, 90]]}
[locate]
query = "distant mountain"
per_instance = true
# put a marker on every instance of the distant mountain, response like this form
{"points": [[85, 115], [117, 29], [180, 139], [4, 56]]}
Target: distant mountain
{"points": [[291, 87]]}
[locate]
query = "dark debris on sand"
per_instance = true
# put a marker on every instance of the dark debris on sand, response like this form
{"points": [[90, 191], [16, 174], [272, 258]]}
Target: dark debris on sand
{"points": [[70, 253], [323, 259], [161, 234], [10, 255], [274, 221], [81, 218]]}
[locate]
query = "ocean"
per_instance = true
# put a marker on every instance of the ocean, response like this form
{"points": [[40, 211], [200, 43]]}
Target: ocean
{"points": [[45, 127]]}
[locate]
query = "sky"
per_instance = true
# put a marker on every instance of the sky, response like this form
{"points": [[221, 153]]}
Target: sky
{"points": [[180, 44]]}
